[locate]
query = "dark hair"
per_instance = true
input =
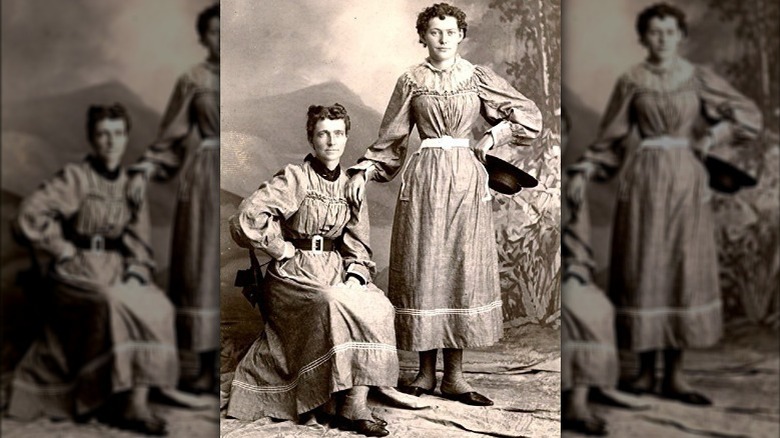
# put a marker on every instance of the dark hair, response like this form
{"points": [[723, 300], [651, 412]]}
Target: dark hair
{"points": [[98, 113], [319, 112], [441, 10], [660, 10], [204, 17]]}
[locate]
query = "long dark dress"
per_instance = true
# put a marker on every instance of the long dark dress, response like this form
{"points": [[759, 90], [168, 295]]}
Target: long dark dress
{"points": [[193, 111], [443, 259], [664, 272], [103, 335], [320, 337]]}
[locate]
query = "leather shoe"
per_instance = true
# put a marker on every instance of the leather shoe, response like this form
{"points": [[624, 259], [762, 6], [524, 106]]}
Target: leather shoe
{"points": [[472, 398], [590, 426], [379, 420], [149, 426], [691, 398], [363, 427], [415, 390]]}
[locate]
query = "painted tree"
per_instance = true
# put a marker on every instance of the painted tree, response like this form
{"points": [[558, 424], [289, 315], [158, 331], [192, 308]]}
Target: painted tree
{"points": [[527, 224]]}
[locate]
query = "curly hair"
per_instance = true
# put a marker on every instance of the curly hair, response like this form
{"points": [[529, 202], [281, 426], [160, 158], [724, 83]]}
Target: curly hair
{"points": [[319, 112], [202, 25], [661, 11], [98, 113], [440, 10]]}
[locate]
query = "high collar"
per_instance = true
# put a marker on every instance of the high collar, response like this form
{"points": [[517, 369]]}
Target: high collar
{"points": [[454, 65], [322, 170], [100, 168]]}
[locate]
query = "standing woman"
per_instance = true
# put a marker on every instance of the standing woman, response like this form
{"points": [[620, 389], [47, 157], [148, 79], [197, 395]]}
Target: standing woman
{"points": [[443, 262], [664, 273], [194, 278]]}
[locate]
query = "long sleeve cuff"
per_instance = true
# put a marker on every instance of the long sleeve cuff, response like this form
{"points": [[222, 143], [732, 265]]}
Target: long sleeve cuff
{"points": [[279, 250], [721, 133], [64, 250], [366, 166], [586, 168], [359, 271], [140, 271], [580, 271], [145, 168], [501, 133]]}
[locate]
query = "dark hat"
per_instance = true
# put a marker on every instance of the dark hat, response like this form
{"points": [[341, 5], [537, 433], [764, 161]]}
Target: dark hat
{"points": [[733, 167], [506, 178]]}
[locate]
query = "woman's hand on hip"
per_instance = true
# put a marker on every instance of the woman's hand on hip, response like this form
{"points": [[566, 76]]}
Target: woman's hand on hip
{"points": [[353, 283], [356, 188], [482, 147]]}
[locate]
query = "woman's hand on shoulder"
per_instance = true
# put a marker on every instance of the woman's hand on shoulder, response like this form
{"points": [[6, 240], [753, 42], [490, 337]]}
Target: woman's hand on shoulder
{"points": [[136, 188], [356, 188], [575, 189]]}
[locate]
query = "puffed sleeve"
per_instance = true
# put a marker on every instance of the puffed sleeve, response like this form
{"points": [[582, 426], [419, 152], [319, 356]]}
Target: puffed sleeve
{"points": [[384, 158], [166, 155], [256, 224], [603, 158], [510, 113], [355, 246], [41, 213], [731, 114], [137, 237]]}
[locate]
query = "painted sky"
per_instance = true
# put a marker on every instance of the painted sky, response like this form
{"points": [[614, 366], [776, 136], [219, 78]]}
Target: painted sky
{"points": [[51, 47], [600, 43], [271, 47]]}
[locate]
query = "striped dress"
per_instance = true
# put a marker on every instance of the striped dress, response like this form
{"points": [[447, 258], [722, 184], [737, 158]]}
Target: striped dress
{"points": [[319, 337], [188, 145], [103, 335], [664, 273], [443, 278]]}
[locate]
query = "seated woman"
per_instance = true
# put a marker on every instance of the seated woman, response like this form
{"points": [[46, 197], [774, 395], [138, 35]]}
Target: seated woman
{"points": [[109, 335], [329, 331]]}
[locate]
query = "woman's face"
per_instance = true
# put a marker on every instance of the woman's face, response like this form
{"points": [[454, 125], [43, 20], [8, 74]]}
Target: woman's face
{"points": [[109, 139], [442, 38], [210, 38], [329, 140], [662, 38]]}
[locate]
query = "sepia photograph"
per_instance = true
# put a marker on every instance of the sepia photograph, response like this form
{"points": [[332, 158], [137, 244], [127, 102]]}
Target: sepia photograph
{"points": [[110, 173], [671, 223], [389, 225]]}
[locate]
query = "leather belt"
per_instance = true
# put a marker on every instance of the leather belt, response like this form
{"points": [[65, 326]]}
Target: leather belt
{"points": [[316, 244], [97, 242]]}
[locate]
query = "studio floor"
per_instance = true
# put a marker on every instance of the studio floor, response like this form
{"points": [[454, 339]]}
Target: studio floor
{"points": [[521, 374], [742, 377]]}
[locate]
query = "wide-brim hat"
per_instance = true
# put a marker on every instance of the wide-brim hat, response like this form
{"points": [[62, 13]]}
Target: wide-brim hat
{"points": [[506, 178], [732, 167]]}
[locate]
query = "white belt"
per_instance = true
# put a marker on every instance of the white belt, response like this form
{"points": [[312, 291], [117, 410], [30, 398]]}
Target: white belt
{"points": [[210, 143], [444, 142], [665, 142]]}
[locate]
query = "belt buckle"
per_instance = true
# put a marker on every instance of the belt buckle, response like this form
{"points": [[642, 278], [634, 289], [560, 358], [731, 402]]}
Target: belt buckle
{"points": [[317, 244], [97, 243]]}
